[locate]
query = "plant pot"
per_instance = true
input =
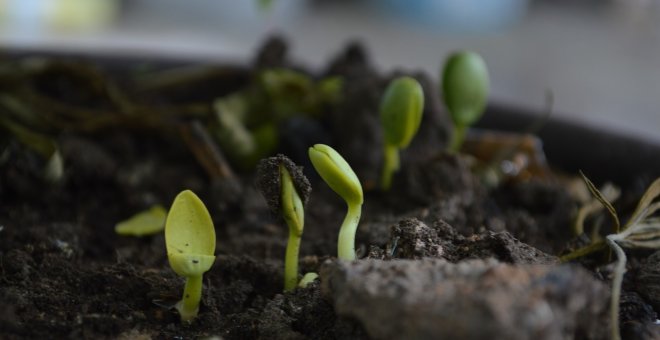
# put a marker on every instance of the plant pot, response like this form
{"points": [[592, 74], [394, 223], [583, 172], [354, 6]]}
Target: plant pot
{"points": [[441, 255]]}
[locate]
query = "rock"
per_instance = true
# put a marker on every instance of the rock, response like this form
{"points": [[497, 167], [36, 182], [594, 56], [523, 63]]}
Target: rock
{"points": [[475, 299], [506, 248], [413, 239]]}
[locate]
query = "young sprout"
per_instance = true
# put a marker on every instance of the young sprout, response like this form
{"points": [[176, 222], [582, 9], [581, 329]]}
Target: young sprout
{"points": [[400, 114], [336, 172], [286, 190], [465, 90], [641, 231], [307, 279], [148, 222], [190, 241]]}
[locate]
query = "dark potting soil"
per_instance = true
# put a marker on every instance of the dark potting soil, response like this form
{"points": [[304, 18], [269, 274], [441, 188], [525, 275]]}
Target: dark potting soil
{"points": [[65, 273]]}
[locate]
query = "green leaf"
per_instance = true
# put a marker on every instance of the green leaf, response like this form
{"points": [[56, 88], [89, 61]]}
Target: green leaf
{"points": [[336, 172], [401, 111], [188, 265], [329, 89], [40, 143], [148, 222], [307, 279], [189, 234], [465, 87], [292, 205]]}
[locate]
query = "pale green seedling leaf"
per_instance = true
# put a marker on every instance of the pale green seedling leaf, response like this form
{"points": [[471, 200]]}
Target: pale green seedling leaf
{"points": [[292, 206], [336, 172], [307, 279], [189, 234], [465, 87], [191, 264], [54, 169], [148, 222], [401, 111], [329, 89]]}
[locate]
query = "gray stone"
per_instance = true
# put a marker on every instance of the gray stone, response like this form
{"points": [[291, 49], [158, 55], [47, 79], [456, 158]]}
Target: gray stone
{"points": [[475, 299]]}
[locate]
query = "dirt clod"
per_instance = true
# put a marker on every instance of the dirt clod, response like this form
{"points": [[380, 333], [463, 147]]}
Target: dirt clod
{"points": [[432, 298], [269, 181]]}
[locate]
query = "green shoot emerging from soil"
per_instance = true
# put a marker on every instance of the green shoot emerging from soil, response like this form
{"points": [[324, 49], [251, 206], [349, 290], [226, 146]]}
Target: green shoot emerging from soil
{"points": [[641, 232], [190, 241], [292, 210], [286, 190], [400, 115], [307, 279], [336, 172], [465, 90]]}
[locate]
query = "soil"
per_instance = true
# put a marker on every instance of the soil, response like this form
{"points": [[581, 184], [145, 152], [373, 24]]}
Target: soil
{"points": [[65, 273]]}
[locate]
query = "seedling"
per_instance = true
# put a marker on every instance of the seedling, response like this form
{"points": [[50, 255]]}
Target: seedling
{"points": [[642, 231], [148, 222], [190, 241], [307, 279], [401, 111], [465, 91], [336, 172], [246, 123], [286, 190]]}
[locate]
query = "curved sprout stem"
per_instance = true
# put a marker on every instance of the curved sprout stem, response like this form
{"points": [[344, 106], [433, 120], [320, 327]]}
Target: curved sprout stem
{"points": [[390, 166], [346, 243]]}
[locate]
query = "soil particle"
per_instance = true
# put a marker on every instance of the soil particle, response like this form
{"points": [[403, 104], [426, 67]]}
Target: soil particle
{"points": [[22, 173], [86, 159], [648, 280], [637, 318], [297, 134], [269, 181], [413, 239], [501, 246], [310, 316], [476, 299], [538, 212], [438, 178], [272, 53], [355, 123]]}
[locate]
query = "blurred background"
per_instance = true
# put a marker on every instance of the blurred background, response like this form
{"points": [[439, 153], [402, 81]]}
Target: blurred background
{"points": [[601, 59]]}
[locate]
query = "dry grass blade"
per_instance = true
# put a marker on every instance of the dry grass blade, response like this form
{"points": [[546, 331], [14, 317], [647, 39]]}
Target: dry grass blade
{"points": [[209, 156], [584, 251], [641, 231], [601, 198], [611, 194], [645, 208]]}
